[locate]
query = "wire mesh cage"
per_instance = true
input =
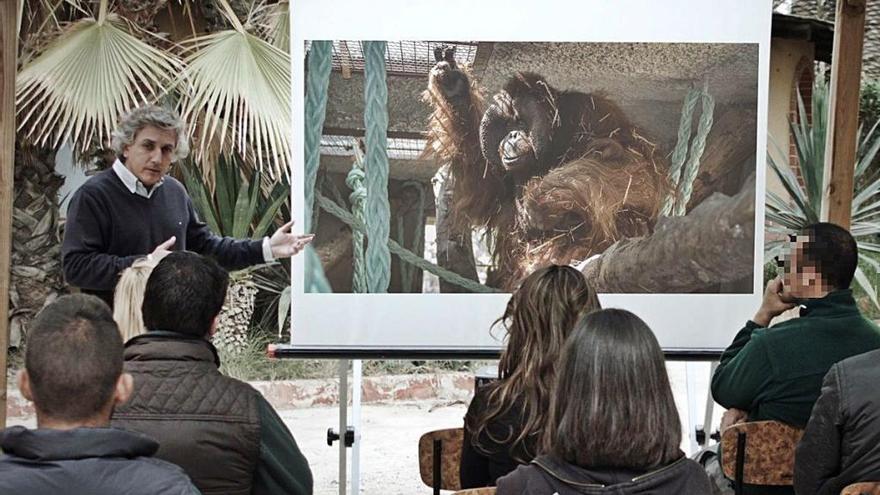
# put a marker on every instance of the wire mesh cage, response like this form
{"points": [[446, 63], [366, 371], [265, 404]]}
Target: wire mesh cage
{"points": [[399, 148], [401, 57]]}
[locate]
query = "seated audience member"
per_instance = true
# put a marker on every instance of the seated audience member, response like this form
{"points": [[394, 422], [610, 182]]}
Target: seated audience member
{"points": [[612, 425], [128, 297], [841, 444], [222, 431], [776, 373], [505, 417], [73, 374]]}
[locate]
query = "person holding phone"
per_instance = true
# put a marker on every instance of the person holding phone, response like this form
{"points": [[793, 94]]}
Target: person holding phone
{"points": [[775, 372]]}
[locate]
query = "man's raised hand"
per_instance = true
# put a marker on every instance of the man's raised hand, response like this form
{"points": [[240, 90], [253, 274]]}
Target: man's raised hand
{"points": [[162, 250], [285, 243]]}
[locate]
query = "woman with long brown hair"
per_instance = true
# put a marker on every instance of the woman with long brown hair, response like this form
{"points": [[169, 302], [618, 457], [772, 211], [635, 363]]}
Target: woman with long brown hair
{"points": [[612, 425], [505, 418]]}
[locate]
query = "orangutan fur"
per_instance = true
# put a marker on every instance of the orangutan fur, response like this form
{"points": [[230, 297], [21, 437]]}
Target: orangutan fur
{"points": [[554, 176]]}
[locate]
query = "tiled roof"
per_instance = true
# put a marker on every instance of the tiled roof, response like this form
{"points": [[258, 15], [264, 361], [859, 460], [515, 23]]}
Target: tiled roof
{"points": [[871, 50]]}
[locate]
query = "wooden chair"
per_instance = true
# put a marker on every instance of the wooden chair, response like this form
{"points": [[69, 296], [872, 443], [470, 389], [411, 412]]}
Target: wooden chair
{"points": [[759, 453], [864, 488], [488, 490], [439, 457]]}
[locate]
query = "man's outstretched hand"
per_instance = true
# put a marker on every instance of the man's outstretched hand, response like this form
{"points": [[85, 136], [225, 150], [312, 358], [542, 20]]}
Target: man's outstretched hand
{"points": [[285, 244]]}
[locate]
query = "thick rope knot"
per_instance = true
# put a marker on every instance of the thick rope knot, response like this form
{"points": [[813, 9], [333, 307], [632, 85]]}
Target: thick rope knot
{"points": [[355, 181]]}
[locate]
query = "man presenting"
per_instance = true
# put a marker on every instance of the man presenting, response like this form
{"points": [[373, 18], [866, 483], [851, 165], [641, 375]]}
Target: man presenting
{"points": [[134, 209]]}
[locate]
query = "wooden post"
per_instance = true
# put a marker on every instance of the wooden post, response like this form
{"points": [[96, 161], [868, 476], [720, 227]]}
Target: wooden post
{"points": [[8, 53], [843, 118]]}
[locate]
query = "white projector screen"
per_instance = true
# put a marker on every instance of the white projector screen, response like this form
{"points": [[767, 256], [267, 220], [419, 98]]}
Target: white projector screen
{"points": [[644, 56]]}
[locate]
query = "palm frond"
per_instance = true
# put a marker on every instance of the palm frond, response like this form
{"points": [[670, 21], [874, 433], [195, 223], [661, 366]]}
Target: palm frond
{"points": [[93, 72], [274, 22], [863, 282], [238, 85]]}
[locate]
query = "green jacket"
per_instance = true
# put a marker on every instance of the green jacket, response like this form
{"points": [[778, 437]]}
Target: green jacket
{"points": [[776, 373]]}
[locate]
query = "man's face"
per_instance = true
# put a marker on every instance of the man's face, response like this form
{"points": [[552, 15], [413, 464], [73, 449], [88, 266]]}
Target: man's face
{"points": [[799, 279], [149, 157]]}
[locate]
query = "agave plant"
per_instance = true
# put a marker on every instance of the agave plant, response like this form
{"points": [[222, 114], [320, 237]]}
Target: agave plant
{"points": [[238, 209], [785, 216]]}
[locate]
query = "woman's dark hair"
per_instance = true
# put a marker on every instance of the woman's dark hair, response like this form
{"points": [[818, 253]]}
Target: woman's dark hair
{"points": [[612, 404], [538, 319]]}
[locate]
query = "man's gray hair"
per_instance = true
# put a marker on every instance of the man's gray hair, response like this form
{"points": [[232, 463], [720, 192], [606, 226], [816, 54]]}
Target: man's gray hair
{"points": [[150, 115]]}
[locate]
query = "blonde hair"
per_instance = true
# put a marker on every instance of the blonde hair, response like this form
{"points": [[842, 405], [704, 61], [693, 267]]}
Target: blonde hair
{"points": [[129, 297]]}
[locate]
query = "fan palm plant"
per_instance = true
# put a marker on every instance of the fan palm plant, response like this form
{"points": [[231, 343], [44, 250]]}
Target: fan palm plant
{"points": [[83, 63], [233, 86], [804, 202]]}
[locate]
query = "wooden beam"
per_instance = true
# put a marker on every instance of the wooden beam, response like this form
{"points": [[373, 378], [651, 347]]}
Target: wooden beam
{"points": [[8, 53], [843, 118]]}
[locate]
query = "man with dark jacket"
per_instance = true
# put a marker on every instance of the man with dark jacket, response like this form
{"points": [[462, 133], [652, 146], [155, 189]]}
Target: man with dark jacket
{"points": [[73, 374], [223, 433], [841, 444], [776, 373]]}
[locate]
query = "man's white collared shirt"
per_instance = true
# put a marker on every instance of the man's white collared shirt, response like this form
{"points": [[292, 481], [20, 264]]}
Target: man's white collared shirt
{"points": [[132, 183]]}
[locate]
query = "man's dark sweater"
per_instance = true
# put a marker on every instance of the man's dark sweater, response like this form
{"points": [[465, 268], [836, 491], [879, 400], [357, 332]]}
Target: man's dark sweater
{"points": [[776, 373], [108, 227]]}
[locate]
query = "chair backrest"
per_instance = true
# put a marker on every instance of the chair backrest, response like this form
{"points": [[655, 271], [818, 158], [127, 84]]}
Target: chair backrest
{"points": [[488, 490], [769, 452], [449, 441], [864, 488]]}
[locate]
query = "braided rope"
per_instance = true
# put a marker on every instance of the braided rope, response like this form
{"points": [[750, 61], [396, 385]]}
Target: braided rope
{"points": [[347, 218], [378, 211], [697, 147], [317, 81], [681, 148], [358, 196]]}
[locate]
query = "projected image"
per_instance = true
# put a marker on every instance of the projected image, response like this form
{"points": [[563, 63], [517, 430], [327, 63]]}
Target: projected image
{"points": [[634, 162]]}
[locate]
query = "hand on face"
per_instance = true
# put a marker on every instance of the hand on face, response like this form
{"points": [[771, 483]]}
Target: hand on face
{"points": [[285, 244], [149, 156], [776, 301]]}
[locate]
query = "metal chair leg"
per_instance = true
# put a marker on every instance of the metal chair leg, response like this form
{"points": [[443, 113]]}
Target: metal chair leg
{"points": [[740, 463], [437, 474]]}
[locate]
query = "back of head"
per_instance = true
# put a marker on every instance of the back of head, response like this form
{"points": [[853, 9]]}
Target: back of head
{"points": [[128, 297], [184, 293], [624, 414], [73, 358], [833, 252], [538, 319]]}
